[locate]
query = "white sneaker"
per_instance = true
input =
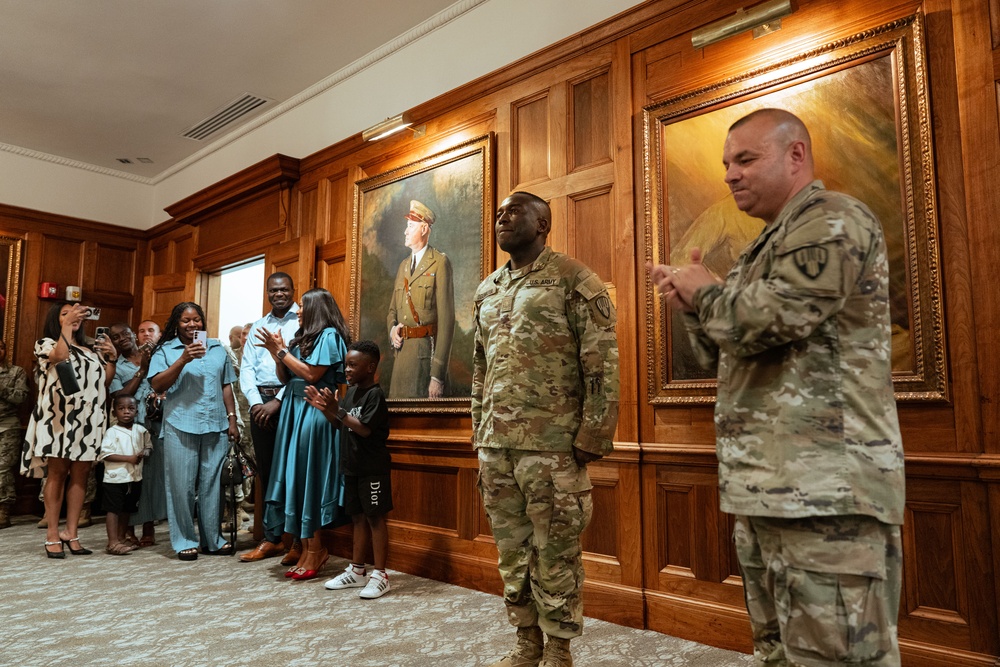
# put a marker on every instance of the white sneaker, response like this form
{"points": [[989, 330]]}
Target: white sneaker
{"points": [[347, 579], [378, 585]]}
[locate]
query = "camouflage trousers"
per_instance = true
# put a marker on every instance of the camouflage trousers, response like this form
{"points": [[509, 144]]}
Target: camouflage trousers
{"points": [[538, 504], [11, 440], [821, 590]]}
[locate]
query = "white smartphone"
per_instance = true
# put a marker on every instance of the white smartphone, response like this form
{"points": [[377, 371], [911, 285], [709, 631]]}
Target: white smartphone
{"points": [[201, 337]]}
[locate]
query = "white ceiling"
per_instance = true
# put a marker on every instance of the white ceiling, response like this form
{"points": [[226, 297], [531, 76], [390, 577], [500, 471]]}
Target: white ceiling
{"points": [[91, 81]]}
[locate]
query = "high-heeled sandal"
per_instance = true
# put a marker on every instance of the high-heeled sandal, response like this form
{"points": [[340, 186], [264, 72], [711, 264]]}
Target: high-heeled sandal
{"points": [[55, 554], [304, 574], [76, 552], [292, 570]]}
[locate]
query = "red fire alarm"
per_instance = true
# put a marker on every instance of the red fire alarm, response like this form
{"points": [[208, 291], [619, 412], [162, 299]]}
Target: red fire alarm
{"points": [[48, 290]]}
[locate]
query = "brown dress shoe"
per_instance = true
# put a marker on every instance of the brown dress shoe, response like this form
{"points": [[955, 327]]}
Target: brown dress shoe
{"points": [[263, 550], [294, 554]]}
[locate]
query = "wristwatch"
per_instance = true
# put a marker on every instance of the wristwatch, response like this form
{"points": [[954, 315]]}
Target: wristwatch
{"points": [[281, 353], [341, 413], [139, 374]]}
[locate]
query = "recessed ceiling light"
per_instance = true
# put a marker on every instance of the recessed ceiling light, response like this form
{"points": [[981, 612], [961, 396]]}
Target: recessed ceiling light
{"points": [[144, 160]]}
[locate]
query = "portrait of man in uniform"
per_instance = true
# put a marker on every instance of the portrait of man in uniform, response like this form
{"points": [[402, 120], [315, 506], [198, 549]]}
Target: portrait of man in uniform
{"points": [[419, 255], [421, 319]]}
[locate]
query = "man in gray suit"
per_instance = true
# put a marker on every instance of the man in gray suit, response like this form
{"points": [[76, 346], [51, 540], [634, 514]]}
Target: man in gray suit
{"points": [[421, 319]]}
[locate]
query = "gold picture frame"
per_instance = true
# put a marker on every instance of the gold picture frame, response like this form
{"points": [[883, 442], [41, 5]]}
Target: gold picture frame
{"points": [[11, 249], [457, 186], [865, 100]]}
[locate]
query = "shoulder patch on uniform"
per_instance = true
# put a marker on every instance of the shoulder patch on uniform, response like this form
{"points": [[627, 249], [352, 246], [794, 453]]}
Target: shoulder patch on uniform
{"points": [[811, 260], [591, 286], [602, 310], [603, 306]]}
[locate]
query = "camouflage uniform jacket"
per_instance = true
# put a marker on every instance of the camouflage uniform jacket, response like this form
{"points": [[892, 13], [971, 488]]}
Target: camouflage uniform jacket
{"points": [[805, 416], [545, 365], [13, 391]]}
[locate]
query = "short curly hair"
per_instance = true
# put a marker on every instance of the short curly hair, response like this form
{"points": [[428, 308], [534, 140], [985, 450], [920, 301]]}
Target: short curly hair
{"points": [[367, 347]]}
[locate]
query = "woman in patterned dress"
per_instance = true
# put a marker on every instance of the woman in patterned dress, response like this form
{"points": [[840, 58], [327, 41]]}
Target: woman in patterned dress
{"points": [[65, 430], [303, 495]]}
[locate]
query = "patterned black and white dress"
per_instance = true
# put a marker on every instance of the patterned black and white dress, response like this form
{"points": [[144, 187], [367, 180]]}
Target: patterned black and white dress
{"points": [[68, 427]]}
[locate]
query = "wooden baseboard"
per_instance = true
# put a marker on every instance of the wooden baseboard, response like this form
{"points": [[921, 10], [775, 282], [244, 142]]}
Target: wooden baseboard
{"points": [[916, 654], [729, 628], [614, 603], [705, 622]]}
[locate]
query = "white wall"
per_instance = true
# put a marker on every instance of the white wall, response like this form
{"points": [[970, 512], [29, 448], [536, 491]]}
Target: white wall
{"points": [[56, 188], [484, 39]]}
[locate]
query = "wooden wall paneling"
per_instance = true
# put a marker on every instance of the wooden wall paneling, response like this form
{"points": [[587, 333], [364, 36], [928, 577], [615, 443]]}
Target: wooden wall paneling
{"points": [[591, 117], [111, 280], [994, 10], [63, 259], [311, 213], [624, 251], [258, 222], [591, 230], [161, 293], [980, 141], [30, 319], [297, 258], [413, 485], [242, 215], [965, 432], [172, 247], [160, 260], [529, 135], [979, 529], [184, 250]]}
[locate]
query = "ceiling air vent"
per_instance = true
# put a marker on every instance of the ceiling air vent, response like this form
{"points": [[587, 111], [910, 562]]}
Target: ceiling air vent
{"points": [[227, 115]]}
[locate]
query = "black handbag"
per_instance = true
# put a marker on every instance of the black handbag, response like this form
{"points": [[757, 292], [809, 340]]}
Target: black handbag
{"points": [[232, 468], [231, 477], [67, 377], [154, 407]]}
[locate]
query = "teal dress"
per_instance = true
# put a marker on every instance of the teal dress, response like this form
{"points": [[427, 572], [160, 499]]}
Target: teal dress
{"points": [[304, 492]]}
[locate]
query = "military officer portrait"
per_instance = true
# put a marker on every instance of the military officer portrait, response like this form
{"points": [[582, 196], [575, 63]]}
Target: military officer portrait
{"points": [[421, 317]]}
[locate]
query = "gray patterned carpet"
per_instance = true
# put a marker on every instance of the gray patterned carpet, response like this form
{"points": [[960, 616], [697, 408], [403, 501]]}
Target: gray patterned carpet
{"points": [[150, 609]]}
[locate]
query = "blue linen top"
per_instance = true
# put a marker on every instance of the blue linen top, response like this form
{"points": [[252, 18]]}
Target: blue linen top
{"points": [[194, 401], [125, 370], [257, 367], [328, 350]]}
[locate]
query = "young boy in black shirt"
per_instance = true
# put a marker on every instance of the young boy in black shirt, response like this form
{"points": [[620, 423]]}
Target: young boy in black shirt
{"points": [[363, 416]]}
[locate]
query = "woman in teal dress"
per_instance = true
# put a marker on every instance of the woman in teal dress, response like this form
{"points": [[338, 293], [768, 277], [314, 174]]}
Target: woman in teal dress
{"points": [[303, 495]]}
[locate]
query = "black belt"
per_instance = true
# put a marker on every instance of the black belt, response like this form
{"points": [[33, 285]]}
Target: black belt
{"points": [[269, 391]]}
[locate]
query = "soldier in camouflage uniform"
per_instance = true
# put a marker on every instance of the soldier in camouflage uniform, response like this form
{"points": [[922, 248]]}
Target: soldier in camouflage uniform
{"points": [[13, 391], [810, 455], [544, 403]]}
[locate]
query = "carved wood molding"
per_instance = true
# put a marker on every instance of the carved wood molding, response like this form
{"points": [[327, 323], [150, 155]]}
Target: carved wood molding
{"points": [[275, 171]]}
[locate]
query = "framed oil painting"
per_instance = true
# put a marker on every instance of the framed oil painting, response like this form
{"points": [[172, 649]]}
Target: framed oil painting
{"points": [[422, 244], [865, 102], [10, 289]]}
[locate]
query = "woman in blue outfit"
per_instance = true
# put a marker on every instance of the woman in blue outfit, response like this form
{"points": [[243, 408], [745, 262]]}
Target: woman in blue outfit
{"points": [[199, 415], [303, 495]]}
